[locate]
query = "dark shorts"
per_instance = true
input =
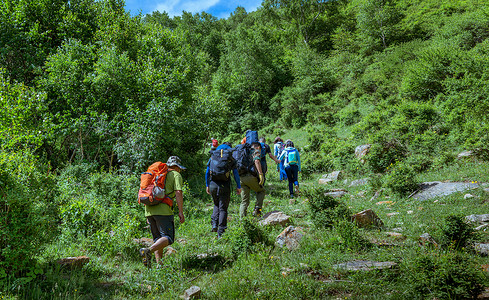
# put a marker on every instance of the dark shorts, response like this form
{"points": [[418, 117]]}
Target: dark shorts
{"points": [[162, 226]]}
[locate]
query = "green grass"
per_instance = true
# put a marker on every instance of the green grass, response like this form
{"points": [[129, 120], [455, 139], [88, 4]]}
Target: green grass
{"points": [[270, 272]]}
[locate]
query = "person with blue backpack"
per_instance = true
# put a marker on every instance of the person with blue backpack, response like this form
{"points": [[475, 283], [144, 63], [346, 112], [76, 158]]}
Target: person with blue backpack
{"points": [[218, 185], [278, 148], [292, 164]]}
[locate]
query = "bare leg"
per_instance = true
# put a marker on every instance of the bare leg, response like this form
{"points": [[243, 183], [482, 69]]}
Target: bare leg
{"points": [[157, 248]]}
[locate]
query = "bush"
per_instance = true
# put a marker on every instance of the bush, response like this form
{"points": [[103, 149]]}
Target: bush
{"points": [[325, 210], [28, 214], [245, 236], [401, 179], [443, 275], [351, 237], [457, 233], [382, 156]]}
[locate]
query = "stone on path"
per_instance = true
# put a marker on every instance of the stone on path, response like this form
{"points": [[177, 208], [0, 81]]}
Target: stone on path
{"points": [[365, 265], [74, 261], [334, 176], [275, 218], [426, 239], [194, 292], [367, 218], [359, 182], [290, 238], [429, 190]]}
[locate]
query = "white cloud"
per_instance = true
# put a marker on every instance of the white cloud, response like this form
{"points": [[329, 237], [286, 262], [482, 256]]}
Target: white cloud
{"points": [[175, 7]]}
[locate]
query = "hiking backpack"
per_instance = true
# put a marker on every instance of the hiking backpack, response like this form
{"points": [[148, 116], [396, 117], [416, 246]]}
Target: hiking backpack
{"points": [[251, 136], [152, 188], [292, 157], [243, 156], [280, 149], [221, 164]]}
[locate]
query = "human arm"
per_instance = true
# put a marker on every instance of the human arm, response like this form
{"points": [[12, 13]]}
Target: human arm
{"points": [[179, 198], [273, 158], [207, 178], [260, 172], [238, 181]]}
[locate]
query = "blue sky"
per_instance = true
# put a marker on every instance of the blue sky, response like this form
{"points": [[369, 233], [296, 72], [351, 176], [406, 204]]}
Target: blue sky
{"points": [[218, 8]]}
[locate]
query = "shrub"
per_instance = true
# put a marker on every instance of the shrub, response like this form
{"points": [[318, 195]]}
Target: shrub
{"points": [[28, 214], [382, 156], [351, 237], [443, 275], [401, 179], [245, 236], [457, 233], [325, 210]]}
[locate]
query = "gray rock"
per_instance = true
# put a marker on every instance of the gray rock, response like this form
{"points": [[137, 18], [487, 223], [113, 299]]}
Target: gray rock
{"points": [[334, 176], [365, 265], [290, 238], [482, 249], [337, 194], [275, 218], [194, 292], [362, 150], [468, 196], [466, 154], [426, 240], [367, 218], [482, 227], [429, 190], [478, 218], [359, 182]]}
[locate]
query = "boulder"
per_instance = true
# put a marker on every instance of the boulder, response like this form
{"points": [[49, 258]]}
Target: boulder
{"points": [[365, 265], [327, 178], [429, 190], [362, 150], [367, 218], [74, 261], [194, 292], [359, 182], [427, 240], [482, 249], [275, 218], [290, 237], [481, 219]]}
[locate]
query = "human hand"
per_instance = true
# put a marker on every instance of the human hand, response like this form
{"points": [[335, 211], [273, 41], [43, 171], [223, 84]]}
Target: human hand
{"points": [[207, 190], [182, 218], [238, 191], [262, 179]]}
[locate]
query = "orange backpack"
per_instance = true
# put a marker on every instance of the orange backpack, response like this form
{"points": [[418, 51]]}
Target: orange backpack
{"points": [[152, 189]]}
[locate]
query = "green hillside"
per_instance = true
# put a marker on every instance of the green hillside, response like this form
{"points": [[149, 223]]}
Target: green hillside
{"points": [[90, 96]]}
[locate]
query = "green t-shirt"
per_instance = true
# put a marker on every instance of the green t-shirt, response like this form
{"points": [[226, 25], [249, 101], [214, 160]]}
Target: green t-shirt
{"points": [[174, 182]]}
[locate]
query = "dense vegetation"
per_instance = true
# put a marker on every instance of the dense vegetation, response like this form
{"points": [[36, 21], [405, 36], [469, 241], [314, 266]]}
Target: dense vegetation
{"points": [[90, 95]]}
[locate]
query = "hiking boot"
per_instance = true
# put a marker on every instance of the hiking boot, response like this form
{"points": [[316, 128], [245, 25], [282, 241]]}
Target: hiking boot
{"points": [[291, 196], [214, 229], [146, 256]]}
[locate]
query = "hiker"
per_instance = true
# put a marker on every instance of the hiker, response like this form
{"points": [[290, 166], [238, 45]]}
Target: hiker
{"points": [[266, 150], [292, 164], [220, 188], [160, 216], [278, 147], [214, 145], [253, 179]]}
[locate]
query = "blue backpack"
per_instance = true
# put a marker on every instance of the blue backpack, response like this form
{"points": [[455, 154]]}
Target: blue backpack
{"points": [[292, 157]]}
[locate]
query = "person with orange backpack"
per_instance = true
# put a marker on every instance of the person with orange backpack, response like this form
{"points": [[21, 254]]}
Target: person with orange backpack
{"points": [[160, 186]]}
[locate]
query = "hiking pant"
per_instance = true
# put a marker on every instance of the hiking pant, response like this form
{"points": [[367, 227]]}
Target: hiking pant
{"points": [[293, 177], [221, 195], [281, 170], [250, 182]]}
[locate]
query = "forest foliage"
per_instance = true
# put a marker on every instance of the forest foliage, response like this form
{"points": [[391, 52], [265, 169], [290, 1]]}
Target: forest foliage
{"points": [[83, 82]]}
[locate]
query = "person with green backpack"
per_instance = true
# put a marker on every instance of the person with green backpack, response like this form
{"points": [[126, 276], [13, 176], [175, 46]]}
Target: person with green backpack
{"points": [[292, 164]]}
